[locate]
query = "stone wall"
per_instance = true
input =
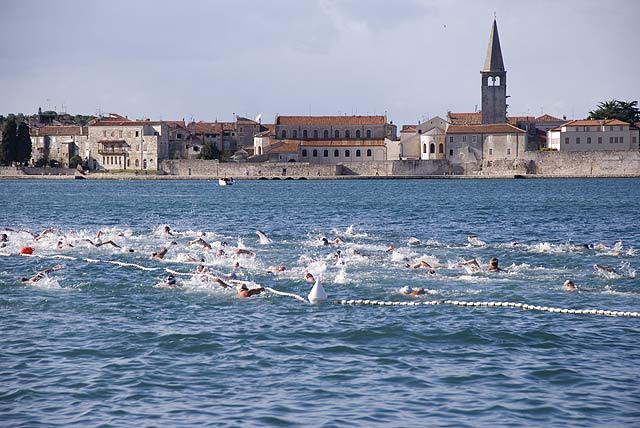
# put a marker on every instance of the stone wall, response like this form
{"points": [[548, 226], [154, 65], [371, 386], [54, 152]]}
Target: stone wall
{"points": [[11, 171], [214, 169], [584, 164]]}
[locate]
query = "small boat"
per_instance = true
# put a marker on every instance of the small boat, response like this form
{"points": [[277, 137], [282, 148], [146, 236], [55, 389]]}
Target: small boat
{"points": [[225, 181]]}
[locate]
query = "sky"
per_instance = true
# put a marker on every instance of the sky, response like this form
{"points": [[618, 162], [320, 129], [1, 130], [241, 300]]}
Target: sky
{"points": [[410, 59]]}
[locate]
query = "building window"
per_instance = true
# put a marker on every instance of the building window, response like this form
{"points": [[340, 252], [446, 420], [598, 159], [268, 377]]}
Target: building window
{"points": [[490, 151], [315, 133], [337, 134], [586, 129], [634, 140], [284, 134], [489, 81], [615, 140], [588, 140], [347, 153], [326, 134], [474, 138], [137, 163], [304, 153], [451, 138], [336, 153], [450, 152], [441, 148], [610, 140], [577, 140], [508, 151], [347, 134], [304, 134], [357, 133], [326, 153], [369, 152], [599, 140], [179, 136], [368, 133], [611, 128], [315, 153], [566, 140], [358, 153], [424, 148], [464, 138], [295, 133], [432, 148]]}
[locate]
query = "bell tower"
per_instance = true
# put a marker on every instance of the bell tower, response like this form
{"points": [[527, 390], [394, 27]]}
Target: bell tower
{"points": [[494, 82]]}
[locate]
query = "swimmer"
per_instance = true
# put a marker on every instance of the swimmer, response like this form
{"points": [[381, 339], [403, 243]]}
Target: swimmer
{"points": [[471, 265], [569, 286], [170, 282], [390, 249], [194, 260], [38, 276], [309, 277], [202, 242], [160, 254], [355, 252], [276, 269], [202, 269], [61, 244], [244, 291], [219, 281], [336, 240], [493, 265], [422, 264], [242, 251], [100, 243], [167, 231], [473, 240], [412, 291], [601, 268], [3, 240], [264, 239], [47, 232]]}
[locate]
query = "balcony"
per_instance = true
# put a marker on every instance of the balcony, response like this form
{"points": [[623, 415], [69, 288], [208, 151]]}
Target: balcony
{"points": [[118, 147]]}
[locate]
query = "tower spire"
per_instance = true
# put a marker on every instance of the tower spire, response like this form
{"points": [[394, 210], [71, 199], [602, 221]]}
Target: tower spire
{"points": [[493, 62]]}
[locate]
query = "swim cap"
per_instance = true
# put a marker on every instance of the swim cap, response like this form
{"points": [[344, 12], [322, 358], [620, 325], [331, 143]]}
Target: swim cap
{"points": [[282, 268], [171, 280], [406, 289], [26, 250]]}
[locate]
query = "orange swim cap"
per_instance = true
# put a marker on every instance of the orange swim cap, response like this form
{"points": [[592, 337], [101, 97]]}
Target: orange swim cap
{"points": [[26, 250]]}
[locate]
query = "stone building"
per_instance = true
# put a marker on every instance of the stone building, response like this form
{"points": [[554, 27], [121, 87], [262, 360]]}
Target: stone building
{"points": [[494, 82], [57, 143], [334, 128], [593, 135], [116, 144]]}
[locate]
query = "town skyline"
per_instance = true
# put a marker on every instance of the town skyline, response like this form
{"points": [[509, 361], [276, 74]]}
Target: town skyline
{"points": [[415, 61]]}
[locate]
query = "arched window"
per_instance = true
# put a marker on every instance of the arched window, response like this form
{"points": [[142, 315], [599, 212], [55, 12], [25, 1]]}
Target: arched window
{"points": [[424, 148], [315, 153], [326, 134], [369, 152], [347, 153], [496, 82], [284, 133], [137, 163], [368, 133], [304, 134], [336, 153], [357, 133], [489, 81], [304, 152], [295, 133], [358, 153], [259, 150], [347, 134], [337, 134], [441, 148], [315, 133], [432, 148], [326, 153]]}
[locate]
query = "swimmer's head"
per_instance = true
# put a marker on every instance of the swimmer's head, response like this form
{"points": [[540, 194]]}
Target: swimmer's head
{"points": [[406, 289], [281, 268], [171, 280], [325, 241], [569, 285], [242, 287], [4, 237], [493, 262], [167, 229]]}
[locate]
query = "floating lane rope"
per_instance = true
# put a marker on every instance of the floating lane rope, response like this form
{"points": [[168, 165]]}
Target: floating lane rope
{"points": [[523, 306], [282, 293]]}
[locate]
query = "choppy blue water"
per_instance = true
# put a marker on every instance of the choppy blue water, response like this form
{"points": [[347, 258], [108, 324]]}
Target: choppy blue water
{"points": [[98, 344]]}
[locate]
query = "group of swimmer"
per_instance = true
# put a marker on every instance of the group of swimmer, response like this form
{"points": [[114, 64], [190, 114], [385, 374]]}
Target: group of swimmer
{"points": [[471, 265]]}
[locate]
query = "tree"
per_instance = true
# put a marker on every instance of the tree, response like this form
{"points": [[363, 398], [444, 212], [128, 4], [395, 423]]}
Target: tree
{"points": [[209, 151], [23, 149], [626, 111], [9, 141]]}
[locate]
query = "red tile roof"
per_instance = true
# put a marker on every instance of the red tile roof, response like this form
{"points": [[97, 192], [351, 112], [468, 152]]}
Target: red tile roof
{"points": [[596, 123], [284, 146], [547, 118], [465, 118], [408, 128], [330, 120], [206, 127], [516, 119], [495, 128], [120, 123], [63, 130]]}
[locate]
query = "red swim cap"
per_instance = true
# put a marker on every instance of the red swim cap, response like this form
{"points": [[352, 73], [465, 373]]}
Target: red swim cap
{"points": [[26, 250]]}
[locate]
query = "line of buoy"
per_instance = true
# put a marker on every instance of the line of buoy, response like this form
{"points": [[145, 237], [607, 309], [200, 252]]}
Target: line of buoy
{"points": [[282, 293], [523, 306]]}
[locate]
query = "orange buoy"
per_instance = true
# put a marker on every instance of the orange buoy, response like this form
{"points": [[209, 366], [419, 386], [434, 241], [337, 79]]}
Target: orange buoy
{"points": [[26, 250]]}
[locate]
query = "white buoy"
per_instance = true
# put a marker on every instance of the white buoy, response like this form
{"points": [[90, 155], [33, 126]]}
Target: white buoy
{"points": [[317, 293]]}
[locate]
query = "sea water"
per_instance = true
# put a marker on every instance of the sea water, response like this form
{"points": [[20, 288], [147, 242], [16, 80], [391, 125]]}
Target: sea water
{"points": [[98, 343]]}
